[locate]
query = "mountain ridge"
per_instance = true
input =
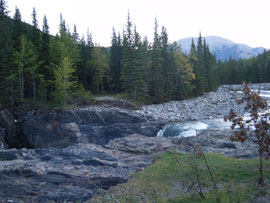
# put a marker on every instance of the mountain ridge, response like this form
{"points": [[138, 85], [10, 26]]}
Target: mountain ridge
{"points": [[223, 48]]}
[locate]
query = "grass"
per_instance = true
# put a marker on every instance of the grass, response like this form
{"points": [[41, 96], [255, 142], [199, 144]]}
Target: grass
{"points": [[166, 181]]}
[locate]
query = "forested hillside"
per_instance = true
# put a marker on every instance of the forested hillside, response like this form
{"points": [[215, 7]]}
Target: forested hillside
{"points": [[254, 70], [37, 66]]}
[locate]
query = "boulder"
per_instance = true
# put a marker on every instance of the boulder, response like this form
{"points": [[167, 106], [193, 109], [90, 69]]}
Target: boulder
{"points": [[218, 141], [67, 127], [74, 173], [139, 144]]}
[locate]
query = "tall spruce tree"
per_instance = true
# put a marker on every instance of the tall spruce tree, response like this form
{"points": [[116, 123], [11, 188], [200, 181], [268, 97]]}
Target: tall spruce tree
{"points": [[46, 62], [35, 30], [75, 34], [199, 69], [127, 58], [89, 39], [139, 90], [115, 62], [167, 65], [157, 80], [17, 29], [45, 46], [5, 50]]}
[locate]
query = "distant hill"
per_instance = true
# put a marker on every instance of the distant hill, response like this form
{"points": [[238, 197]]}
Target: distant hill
{"points": [[223, 48]]}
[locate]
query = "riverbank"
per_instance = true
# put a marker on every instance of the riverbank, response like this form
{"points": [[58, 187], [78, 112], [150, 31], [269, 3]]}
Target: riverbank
{"points": [[212, 105], [72, 155]]}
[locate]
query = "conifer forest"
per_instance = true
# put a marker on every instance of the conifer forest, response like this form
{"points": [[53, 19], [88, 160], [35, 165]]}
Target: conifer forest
{"points": [[37, 66]]}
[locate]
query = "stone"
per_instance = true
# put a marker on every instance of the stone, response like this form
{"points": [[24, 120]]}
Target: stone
{"points": [[218, 141], [3, 144], [210, 105], [41, 128], [74, 173]]}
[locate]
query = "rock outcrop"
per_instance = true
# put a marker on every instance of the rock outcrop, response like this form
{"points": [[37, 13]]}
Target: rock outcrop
{"points": [[218, 141], [74, 173], [12, 135], [70, 155], [41, 128]]}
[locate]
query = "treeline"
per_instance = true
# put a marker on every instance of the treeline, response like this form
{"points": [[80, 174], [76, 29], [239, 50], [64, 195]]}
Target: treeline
{"points": [[66, 68], [254, 70], [159, 71]]}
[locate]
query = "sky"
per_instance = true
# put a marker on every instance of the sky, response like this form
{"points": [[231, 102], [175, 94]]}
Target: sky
{"points": [[242, 21]]}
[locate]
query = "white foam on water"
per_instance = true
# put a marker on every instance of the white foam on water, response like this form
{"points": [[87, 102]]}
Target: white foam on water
{"points": [[187, 133], [160, 133], [265, 95], [199, 126], [190, 129]]}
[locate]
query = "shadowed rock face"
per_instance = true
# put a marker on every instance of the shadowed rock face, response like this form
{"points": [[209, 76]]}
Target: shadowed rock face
{"points": [[62, 155], [39, 128], [3, 144]]}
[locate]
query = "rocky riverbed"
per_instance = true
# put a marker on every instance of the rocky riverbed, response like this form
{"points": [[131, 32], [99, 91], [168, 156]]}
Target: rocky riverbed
{"points": [[211, 105], [70, 155]]}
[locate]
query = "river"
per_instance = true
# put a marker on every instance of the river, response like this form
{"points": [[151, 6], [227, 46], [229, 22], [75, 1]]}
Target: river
{"points": [[190, 128]]}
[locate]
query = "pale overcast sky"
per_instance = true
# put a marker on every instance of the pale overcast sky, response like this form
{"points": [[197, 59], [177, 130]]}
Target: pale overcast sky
{"points": [[242, 21]]}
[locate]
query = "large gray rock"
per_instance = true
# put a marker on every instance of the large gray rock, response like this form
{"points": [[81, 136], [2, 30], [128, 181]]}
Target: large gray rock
{"points": [[74, 173], [217, 141], [139, 144], [41, 128]]}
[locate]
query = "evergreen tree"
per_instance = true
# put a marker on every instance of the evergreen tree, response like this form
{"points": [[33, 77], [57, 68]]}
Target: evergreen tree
{"points": [[139, 90], [199, 70], [46, 66], [26, 73], [210, 69], [83, 70], [89, 39], [115, 62], [157, 80], [35, 31], [75, 35], [168, 70], [127, 59], [68, 47], [146, 61], [17, 29], [101, 68], [5, 50], [45, 47]]}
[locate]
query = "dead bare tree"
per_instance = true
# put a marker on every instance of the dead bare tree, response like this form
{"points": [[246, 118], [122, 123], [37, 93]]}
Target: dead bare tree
{"points": [[256, 126]]}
